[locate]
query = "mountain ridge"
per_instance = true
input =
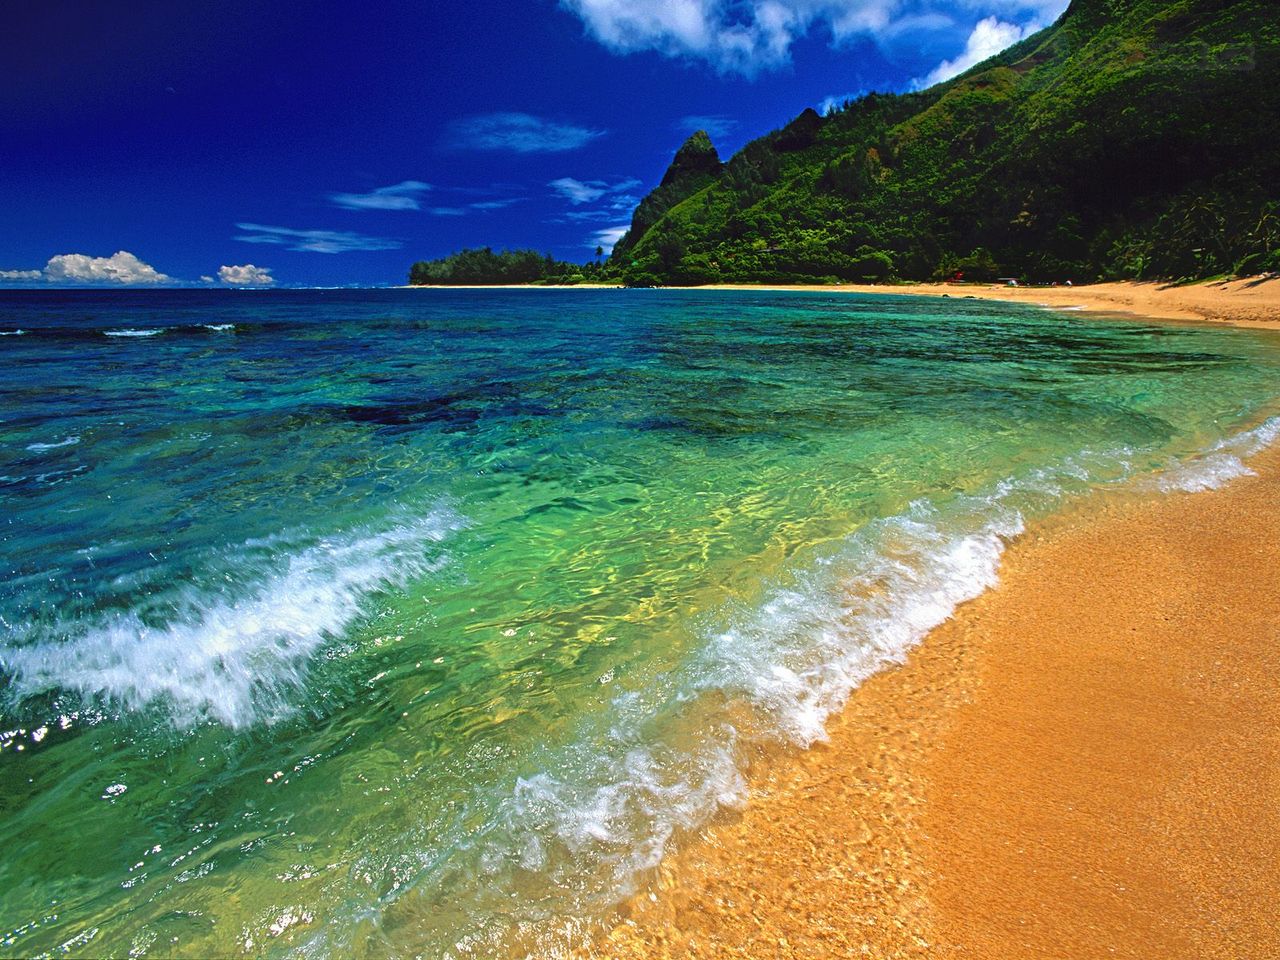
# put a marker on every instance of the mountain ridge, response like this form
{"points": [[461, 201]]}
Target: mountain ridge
{"points": [[1129, 139]]}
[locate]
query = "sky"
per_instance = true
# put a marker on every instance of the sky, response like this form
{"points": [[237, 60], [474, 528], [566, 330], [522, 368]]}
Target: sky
{"points": [[259, 142]]}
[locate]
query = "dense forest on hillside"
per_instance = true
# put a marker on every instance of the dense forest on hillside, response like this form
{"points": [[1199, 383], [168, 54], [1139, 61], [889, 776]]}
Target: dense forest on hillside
{"points": [[1131, 139], [482, 266]]}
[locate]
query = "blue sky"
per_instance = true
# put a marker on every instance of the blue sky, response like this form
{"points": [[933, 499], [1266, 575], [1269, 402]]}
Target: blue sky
{"points": [[335, 143]]}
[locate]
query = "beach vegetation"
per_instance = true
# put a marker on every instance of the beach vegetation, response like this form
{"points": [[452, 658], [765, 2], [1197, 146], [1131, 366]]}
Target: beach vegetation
{"points": [[483, 266], [1128, 140], [1132, 139]]}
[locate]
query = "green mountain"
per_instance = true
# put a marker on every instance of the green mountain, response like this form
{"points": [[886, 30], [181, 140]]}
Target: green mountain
{"points": [[1133, 138], [696, 165]]}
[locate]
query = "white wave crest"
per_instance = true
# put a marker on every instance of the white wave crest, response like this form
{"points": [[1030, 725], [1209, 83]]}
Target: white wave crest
{"points": [[798, 654], [41, 447], [605, 808], [1220, 464], [131, 332], [237, 659]]}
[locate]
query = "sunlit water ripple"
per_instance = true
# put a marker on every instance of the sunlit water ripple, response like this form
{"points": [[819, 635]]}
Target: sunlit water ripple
{"points": [[423, 622]]}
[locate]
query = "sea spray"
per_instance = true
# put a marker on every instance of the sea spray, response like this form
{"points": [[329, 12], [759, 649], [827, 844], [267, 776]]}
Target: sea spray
{"points": [[236, 658], [695, 522]]}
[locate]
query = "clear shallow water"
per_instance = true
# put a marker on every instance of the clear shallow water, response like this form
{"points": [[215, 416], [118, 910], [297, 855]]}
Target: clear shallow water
{"points": [[423, 622]]}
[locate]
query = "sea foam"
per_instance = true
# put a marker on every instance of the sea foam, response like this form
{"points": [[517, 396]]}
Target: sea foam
{"points": [[605, 809], [41, 447], [132, 332], [233, 659], [1220, 464]]}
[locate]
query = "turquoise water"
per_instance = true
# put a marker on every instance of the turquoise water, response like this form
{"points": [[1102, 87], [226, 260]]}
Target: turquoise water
{"points": [[403, 623]]}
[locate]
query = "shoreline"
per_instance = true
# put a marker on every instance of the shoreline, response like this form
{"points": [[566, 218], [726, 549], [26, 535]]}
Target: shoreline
{"points": [[1252, 302], [1087, 771]]}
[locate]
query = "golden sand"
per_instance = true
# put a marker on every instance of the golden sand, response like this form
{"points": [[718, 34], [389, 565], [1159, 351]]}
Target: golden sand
{"points": [[1084, 762], [1248, 302]]}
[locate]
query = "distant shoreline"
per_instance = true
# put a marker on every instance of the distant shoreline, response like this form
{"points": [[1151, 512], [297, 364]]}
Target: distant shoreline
{"points": [[1252, 302]]}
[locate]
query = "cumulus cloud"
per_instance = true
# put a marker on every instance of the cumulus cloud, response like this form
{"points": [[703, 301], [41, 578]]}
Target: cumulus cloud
{"points": [[246, 275], [988, 38], [405, 195], [747, 36], [716, 125], [518, 133], [121, 267], [314, 241]]}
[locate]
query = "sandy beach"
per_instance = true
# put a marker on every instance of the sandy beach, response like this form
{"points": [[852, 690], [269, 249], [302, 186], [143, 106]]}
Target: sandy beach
{"points": [[1083, 762], [1249, 302]]}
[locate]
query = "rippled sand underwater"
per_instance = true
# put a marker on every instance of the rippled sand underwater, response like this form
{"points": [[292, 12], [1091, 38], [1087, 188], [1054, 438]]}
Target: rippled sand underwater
{"points": [[383, 622]]}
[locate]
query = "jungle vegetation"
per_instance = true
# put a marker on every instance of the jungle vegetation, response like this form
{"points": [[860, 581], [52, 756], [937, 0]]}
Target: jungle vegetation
{"points": [[1131, 139]]}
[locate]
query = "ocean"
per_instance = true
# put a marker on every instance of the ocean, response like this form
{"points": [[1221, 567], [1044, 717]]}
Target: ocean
{"points": [[396, 623]]}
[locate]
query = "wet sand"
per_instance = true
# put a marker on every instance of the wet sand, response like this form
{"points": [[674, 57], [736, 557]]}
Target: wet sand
{"points": [[1084, 762]]}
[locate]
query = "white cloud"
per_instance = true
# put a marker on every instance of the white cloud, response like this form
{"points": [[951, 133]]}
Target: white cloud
{"points": [[837, 100], [205, 278], [608, 236], [246, 275], [405, 195], [746, 36], [495, 204], [518, 133], [121, 267], [714, 125], [314, 241], [20, 274], [447, 211], [578, 192], [989, 37]]}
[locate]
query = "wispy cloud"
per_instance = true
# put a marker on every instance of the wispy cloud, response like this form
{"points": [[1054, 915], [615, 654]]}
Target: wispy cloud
{"points": [[484, 206], [715, 125], [748, 36], [578, 192], [495, 204], [121, 267], [406, 195], [588, 216], [314, 241], [608, 236], [246, 275], [837, 100], [518, 133]]}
